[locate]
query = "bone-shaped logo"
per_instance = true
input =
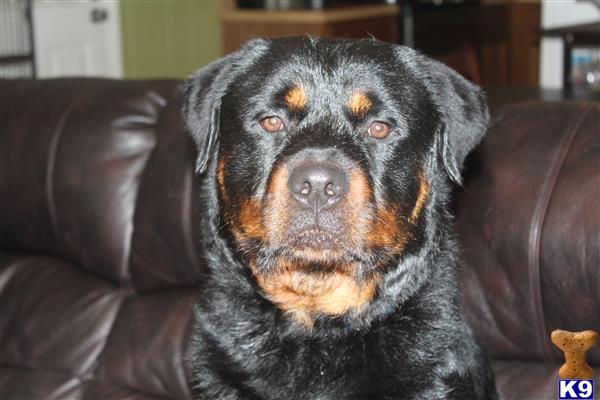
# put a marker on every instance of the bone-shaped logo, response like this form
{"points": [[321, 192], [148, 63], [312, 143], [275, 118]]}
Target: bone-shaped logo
{"points": [[575, 346]]}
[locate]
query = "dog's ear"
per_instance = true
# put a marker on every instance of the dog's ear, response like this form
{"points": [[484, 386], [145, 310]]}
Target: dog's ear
{"points": [[464, 116], [202, 97], [462, 107], [202, 101]]}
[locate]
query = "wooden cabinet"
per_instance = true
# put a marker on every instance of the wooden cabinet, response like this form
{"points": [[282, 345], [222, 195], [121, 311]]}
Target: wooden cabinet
{"points": [[491, 42], [239, 25], [501, 36]]}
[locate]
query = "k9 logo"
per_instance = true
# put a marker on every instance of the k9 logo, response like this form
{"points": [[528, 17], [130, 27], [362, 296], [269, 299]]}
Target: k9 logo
{"points": [[575, 389]]}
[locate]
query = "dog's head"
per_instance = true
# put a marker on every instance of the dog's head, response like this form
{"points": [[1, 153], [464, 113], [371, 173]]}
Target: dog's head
{"points": [[327, 156]]}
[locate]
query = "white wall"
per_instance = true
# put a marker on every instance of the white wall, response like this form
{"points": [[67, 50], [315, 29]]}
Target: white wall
{"points": [[556, 13]]}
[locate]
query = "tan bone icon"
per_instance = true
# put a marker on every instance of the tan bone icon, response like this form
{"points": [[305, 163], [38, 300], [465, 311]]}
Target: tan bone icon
{"points": [[575, 346]]}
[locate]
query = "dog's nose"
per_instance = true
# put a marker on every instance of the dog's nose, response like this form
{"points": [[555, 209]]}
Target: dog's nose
{"points": [[320, 184]]}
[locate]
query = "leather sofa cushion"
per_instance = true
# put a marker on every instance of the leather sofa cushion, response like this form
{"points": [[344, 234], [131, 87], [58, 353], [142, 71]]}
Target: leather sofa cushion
{"points": [[528, 223], [98, 256]]}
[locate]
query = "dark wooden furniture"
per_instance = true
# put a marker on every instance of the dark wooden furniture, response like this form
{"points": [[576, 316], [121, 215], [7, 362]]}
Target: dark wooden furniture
{"points": [[239, 25], [490, 42], [584, 35]]}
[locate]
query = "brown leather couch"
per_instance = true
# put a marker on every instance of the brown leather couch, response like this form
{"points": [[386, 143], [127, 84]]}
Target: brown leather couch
{"points": [[529, 226], [98, 241]]}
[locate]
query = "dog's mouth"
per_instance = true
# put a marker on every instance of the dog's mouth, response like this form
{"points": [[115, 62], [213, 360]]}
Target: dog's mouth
{"points": [[315, 239], [310, 263], [317, 213], [317, 243], [319, 249]]}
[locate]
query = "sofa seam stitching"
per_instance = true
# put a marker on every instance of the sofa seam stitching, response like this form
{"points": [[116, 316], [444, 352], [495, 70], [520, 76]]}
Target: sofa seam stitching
{"points": [[537, 228], [159, 107], [51, 165], [186, 214]]}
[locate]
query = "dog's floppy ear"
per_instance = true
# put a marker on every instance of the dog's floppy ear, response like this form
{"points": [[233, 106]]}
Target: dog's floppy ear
{"points": [[203, 92], [464, 114], [462, 107]]}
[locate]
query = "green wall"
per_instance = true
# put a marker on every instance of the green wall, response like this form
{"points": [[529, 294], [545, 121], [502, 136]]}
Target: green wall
{"points": [[169, 38]]}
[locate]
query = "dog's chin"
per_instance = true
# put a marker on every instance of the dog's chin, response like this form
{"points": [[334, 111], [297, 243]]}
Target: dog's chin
{"points": [[317, 247], [316, 260]]}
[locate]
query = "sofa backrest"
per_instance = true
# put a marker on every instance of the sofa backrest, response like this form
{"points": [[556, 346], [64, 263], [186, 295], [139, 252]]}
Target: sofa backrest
{"points": [[98, 254], [99, 258], [529, 227]]}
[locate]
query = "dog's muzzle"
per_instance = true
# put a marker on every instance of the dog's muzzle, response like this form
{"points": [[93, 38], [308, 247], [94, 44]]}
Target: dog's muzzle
{"points": [[318, 185]]}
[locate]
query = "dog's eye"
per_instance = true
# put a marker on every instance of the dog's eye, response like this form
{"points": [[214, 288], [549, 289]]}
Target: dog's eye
{"points": [[379, 130], [272, 124]]}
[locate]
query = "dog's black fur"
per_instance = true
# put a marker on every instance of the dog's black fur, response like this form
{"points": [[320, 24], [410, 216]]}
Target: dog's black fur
{"points": [[408, 341]]}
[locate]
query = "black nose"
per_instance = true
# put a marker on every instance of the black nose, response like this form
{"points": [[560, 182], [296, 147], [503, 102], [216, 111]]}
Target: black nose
{"points": [[320, 184]]}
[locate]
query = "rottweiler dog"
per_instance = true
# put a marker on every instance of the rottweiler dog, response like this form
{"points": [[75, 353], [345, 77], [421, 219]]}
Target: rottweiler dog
{"points": [[325, 169]]}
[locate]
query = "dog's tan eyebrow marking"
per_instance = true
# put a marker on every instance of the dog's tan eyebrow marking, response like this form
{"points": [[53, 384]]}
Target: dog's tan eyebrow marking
{"points": [[359, 104], [296, 98]]}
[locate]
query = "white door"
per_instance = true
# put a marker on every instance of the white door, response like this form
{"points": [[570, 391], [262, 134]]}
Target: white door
{"points": [[77, 38]]}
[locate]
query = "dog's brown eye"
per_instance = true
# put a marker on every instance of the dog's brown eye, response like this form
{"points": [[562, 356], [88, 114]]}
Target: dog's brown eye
{"points": [[379, 130], [272, 124]]}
